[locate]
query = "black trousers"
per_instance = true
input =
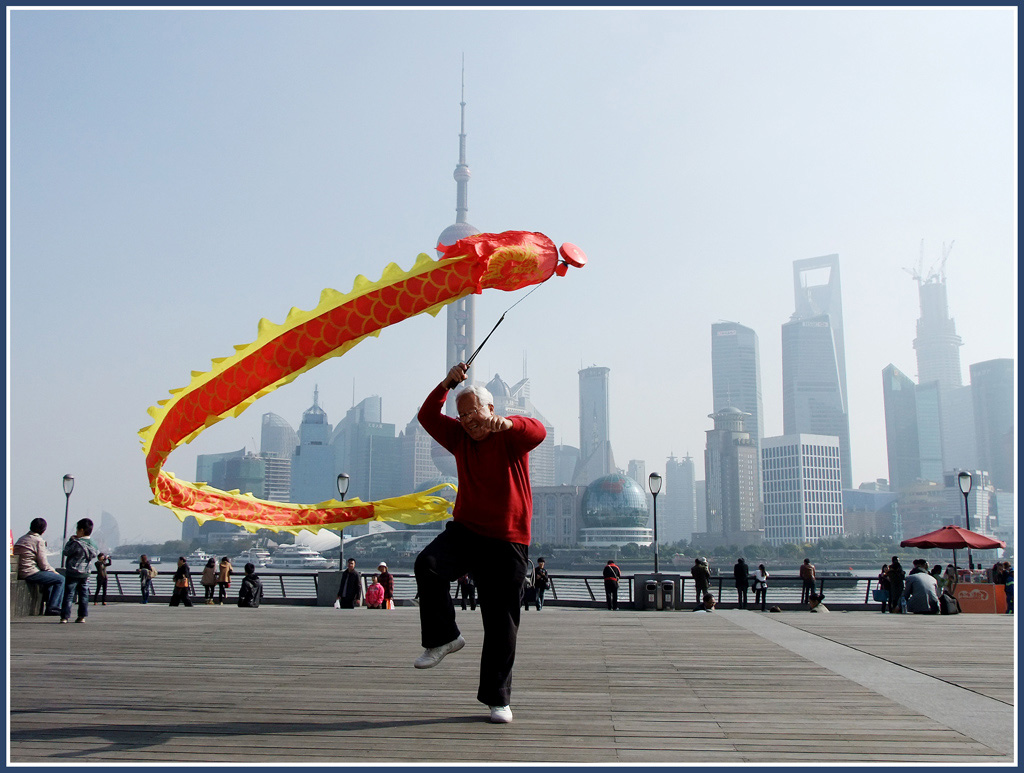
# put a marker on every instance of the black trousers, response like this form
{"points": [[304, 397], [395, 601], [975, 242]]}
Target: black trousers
{"points": [[101, 590], [741, 596], [499, 570], [180, 596], [759, 596], [611, 594]]}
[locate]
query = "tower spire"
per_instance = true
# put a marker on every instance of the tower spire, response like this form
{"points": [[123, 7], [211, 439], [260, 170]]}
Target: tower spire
{"points": [[462, 173]]}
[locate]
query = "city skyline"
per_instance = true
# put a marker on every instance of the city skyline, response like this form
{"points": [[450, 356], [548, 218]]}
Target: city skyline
{"points": [[165, 195]]}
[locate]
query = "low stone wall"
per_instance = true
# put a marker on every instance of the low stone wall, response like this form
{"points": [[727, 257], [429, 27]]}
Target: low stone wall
{"points": [[26, 597]]}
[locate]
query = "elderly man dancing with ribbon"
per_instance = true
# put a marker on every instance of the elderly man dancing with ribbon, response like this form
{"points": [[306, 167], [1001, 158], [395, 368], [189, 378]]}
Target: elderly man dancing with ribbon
{"points": [[488, 536]]}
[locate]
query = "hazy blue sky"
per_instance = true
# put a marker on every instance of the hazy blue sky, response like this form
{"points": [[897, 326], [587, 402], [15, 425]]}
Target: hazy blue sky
{"points": [[177, 175]]}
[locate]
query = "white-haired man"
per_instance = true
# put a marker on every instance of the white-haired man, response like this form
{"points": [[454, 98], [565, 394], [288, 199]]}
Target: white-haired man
{"points": [[488, 535]]}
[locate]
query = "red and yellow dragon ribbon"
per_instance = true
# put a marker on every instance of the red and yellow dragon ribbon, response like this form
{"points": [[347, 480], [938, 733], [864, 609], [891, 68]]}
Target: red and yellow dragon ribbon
{"points": [[506, 261]]}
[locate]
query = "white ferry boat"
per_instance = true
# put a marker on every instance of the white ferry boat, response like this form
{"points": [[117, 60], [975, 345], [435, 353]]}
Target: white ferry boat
{"points": [[197, 557], [297, 557], [258, 557]]}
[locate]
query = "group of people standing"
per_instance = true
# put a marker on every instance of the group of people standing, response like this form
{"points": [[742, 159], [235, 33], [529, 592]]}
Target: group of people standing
{"points": [[380, 593], [214, 576]]}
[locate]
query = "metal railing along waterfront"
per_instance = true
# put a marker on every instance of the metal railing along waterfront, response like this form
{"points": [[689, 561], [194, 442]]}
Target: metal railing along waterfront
{"points": [[300, 587]]}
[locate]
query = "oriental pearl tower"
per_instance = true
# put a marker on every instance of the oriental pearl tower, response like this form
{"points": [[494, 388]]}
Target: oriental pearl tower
{"points": [[461, 313]]}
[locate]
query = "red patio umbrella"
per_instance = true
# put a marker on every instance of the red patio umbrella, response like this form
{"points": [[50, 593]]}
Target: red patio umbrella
{"points": [[953, 538]]}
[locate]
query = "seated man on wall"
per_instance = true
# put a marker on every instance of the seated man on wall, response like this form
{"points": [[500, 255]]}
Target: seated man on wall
{"points": [[34, 568]]}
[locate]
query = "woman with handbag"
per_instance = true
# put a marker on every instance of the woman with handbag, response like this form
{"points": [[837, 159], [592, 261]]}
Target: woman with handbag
{"points": [[209, 580], [146, 575], [182, 584], [760, 585]]}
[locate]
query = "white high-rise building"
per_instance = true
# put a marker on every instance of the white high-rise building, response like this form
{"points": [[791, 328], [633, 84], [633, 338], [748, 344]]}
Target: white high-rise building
{"points": [[803, 492]]}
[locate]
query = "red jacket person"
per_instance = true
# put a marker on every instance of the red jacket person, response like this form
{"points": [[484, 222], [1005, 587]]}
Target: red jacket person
{"points": [[488, 535]]}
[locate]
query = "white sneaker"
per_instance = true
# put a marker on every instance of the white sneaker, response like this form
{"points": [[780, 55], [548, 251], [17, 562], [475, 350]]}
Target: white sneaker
{"points": [[431, 657], [501, 714]]}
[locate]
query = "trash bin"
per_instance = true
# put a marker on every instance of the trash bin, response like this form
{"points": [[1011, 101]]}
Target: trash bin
{"points": [[668, 595], [651, 600]]}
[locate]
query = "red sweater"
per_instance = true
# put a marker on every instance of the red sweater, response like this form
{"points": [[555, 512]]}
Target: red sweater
{"points": [[494, 498]]}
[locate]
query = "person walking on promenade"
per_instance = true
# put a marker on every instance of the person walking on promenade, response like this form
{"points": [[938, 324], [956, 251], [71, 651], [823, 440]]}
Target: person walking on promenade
{"points": [[741, 572], [489, 534], [79, 553], [611, 574], [760, 585], [922, 593], [209, 580], [146, 575], [224, 572], [897, 577], [701, 574], [387, 581], [467, 591], [182, 584], [350, 589], [102, 562], [807, 575], [34, 568], [883, 587], [541, 582], [251, 592], [374, 594]]}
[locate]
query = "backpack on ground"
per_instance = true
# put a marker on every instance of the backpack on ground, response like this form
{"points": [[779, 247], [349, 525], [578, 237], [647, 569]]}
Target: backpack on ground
{"points": [[948, 605]]}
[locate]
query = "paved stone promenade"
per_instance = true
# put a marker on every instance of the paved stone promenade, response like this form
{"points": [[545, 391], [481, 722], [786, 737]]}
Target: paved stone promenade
{"points": [[278, 685]]}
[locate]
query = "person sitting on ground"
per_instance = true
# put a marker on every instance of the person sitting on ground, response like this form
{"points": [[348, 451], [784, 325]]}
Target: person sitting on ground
{"points": [[922, 593], [251, 591], [34, 568], [375, 594], [708, 604], [816, 602], [920, 565]]}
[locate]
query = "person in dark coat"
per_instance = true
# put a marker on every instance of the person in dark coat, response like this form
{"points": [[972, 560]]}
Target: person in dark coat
{"points": [[742, 574], [251, 591], [350, 590], [897, 579], [467, 590], [182, 584], [701, 574], [611, 574]]}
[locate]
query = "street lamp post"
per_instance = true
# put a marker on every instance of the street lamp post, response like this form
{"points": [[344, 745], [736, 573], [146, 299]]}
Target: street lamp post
{"points": [[69, 486], [343, 481], [654, 481], [965, 480]]}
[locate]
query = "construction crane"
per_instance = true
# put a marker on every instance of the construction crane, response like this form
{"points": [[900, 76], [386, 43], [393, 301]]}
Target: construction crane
{"points": [[932, 275]]}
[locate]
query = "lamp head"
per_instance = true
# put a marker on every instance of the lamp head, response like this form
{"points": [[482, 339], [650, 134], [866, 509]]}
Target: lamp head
{"points": [[965, 480], [654, 481], [343, 481], [69, 484]]}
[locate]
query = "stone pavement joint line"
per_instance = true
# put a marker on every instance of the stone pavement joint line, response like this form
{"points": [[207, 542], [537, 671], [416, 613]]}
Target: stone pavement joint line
{"points": [[984, 719]]}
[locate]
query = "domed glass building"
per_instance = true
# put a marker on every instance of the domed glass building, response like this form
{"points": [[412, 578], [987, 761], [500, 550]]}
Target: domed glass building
{"points": [[614, 512]]}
